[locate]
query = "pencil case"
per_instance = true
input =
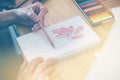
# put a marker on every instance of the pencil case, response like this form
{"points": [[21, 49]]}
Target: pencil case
{"points": [[94, 11]]}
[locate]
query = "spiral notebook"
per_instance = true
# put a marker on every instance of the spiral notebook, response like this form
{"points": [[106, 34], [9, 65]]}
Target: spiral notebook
{"points": [[70, 37]]}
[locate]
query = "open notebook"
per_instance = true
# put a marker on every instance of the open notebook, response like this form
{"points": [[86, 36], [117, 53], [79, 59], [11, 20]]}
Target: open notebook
{"points": [[70, 37]]}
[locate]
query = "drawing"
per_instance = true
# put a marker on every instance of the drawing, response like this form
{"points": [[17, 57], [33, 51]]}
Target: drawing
{"points": [[70, 31]]}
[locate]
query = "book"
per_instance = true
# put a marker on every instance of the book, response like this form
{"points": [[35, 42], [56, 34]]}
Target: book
{"points": [[70, 37]]}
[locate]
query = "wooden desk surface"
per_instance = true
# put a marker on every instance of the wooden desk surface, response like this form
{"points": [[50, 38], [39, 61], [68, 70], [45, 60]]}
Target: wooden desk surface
{"points": [[76, 67]]}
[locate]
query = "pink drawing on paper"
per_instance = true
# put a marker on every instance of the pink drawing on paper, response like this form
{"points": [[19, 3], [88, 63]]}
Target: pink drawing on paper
{"points": [[70, 31]]}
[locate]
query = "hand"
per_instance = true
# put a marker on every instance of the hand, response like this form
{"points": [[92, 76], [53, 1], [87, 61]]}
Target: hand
{"points": [[38, 69], [27, 17]]}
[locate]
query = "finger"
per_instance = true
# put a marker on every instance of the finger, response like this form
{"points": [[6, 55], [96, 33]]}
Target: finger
{"points": [[41, 16], [48, 71], [38, 7], [43, 12], [42, 75], [33, 64], [36, 27], [23, 66], [39, 72], [47, 63]]}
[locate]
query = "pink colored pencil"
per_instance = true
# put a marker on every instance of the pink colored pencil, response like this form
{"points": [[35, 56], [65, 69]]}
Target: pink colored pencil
{"points": [[46, 34]]}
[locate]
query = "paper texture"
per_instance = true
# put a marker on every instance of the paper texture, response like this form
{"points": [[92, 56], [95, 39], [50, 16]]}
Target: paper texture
{"points": [[107, 65], [69, 37]]}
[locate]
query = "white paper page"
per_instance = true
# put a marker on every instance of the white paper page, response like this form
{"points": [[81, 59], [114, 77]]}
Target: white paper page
{"points": [[107, 65], [34, 44], [76, 34]]}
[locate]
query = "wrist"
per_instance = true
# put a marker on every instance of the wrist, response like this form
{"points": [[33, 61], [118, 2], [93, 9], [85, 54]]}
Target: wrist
{"points": [[7, 18], [14, 15]]}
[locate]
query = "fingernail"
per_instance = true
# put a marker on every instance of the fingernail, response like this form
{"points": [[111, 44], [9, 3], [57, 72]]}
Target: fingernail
{"points": [[33, 29]]}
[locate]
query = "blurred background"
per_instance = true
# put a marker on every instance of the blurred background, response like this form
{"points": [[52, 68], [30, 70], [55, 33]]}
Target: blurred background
{"points": [[9, 60]]}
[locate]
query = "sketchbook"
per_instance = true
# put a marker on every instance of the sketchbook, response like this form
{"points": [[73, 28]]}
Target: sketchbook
{"points": [[70, 37]]}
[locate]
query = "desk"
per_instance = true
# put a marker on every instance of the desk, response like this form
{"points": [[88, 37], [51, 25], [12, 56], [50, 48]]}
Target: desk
{"points": [[76, 67]]}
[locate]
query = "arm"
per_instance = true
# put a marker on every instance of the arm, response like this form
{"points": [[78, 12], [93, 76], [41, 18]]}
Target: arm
{"points": [[24, 16], [7, 18]]}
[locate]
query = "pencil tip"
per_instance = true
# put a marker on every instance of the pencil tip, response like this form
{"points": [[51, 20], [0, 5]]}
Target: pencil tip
{"points": [[54, 46]]}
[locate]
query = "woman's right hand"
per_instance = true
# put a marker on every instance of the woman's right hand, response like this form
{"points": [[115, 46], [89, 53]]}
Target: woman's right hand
{"points": [[26, 17]]}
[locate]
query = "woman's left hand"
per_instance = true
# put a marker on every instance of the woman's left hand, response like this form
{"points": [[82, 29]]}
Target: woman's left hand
{"points": [[38, 69]]}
